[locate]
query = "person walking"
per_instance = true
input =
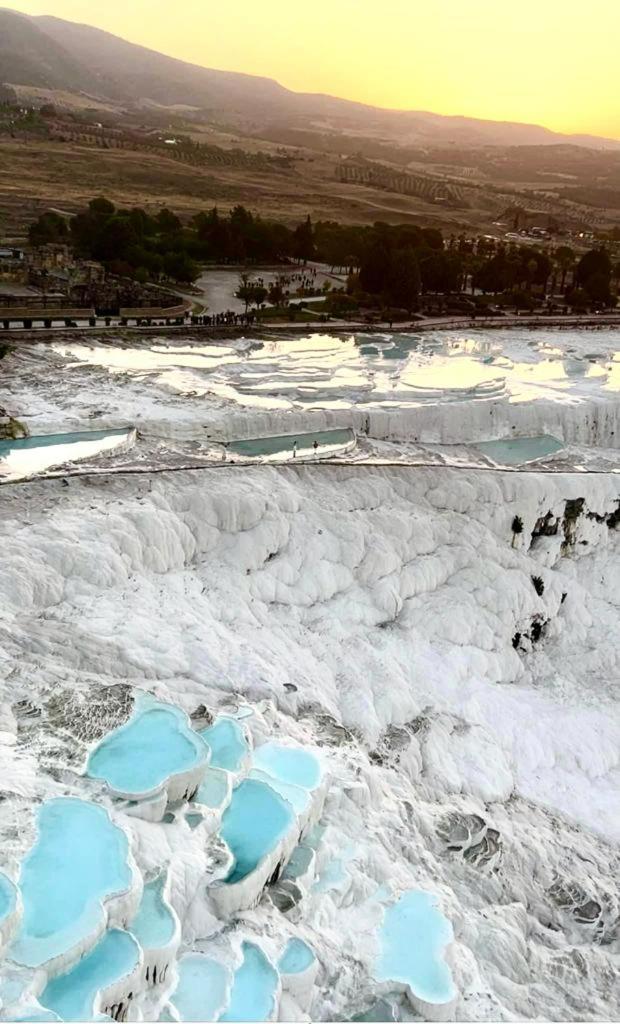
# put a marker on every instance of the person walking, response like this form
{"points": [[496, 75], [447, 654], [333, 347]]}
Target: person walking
{"points": [[294, 449]]}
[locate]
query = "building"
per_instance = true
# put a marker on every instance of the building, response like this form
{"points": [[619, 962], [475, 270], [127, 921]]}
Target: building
{"points": [[11, 255], [50, 257]]}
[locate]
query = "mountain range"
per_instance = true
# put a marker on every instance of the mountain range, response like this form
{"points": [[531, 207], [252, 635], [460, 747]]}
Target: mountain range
{"points": [[48, 53]]}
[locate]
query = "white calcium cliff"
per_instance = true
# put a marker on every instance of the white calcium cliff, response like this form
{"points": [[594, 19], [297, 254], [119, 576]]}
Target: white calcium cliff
{"points": [[446, 638]]}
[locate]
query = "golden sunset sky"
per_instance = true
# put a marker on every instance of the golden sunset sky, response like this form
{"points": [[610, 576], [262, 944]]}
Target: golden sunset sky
{"points": [[552, 62]]}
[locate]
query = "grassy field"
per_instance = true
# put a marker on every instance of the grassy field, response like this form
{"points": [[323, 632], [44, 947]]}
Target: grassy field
{"points": [[37, 175], [42, 173]]}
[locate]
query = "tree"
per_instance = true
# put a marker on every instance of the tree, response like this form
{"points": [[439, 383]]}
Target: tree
{"points": [[338, 303], [404, 284], [593, 275], [577, 298], [276, 292], [168, 222], [441, 271], [433, 238], [115, 237], [101, 207], [538, 268], [597, 288], [531, 272], [565, 258], [496, 275], [260, 294], [375, 268], [144, 226], [48, 228], [522, 299], [303, 241], [245, 291], [596, 261], [180, 267]]}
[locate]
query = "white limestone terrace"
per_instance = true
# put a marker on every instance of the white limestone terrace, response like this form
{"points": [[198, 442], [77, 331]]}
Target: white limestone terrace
{"points": [[157, 929], [10, 909], [459, 673], [557, 387], [444, 638], [444, 388], [269, 811]]}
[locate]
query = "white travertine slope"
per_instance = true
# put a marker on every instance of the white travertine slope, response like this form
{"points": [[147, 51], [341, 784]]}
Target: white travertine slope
{"points": [[390, 599]]}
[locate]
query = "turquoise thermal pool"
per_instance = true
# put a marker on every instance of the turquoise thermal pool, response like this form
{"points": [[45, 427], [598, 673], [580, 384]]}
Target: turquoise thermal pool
{"points": [[298, 798], [301, 444], [514, 451], [413, 938], [254, 987], [214, 790], [27, 455], [291, 765], [73, 995], [299, 862], [297, 957], [154, 925], [253, 824], [79, 859], [202, 988], [227, 743], [138, 758]]}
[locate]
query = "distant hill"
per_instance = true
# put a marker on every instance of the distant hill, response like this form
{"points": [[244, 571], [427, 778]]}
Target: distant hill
{"points": [[29, 56], [50, 53]]}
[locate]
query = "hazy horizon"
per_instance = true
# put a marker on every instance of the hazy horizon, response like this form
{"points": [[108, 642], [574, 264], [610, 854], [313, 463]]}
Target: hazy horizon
{"points": [[534, 65]]}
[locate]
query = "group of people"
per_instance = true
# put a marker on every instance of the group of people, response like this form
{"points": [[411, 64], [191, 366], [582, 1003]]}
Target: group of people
{"points": [[304, 280], [315, 445], [227, 319]]}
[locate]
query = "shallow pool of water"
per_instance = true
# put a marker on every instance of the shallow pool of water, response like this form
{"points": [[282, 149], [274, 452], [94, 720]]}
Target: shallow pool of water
{"points": [[215, 789], [297, 957], [138, 758], [254, 988], [296, 796], [293, 765], [202, 988], [299, 862], [29, 455], [72, 995], [413, 939], [227, 743], [452, 378], [153, 925], [514, 451], [298, 444], [79, 858], [253, 824]]}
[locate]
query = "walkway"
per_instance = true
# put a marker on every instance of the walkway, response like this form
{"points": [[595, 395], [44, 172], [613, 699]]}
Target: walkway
{"points": [[331, 326]]}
